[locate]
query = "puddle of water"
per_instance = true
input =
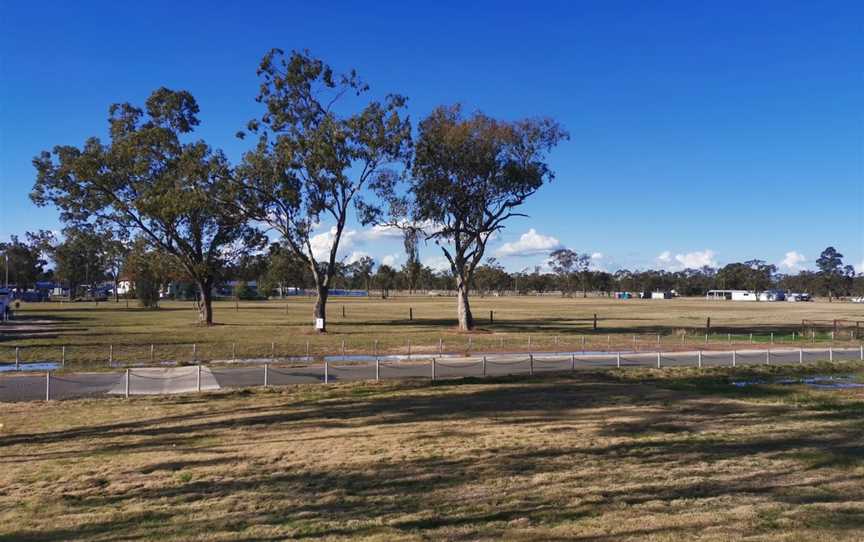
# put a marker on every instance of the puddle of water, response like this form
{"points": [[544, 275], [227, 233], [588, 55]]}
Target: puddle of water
{"points": [[828, 382], [35, 366]]}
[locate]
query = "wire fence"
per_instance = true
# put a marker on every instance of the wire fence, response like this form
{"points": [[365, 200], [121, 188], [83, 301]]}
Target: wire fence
{"points": [[28, 384], [114, 355]]}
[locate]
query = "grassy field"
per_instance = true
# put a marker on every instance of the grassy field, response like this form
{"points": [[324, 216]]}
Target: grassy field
{"points": [[602, 457], [257, 328]]}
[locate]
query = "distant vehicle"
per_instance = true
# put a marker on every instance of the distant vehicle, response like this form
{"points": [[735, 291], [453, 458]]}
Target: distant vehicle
{"points": [[772, 295], [858, 299], [794, 297]]}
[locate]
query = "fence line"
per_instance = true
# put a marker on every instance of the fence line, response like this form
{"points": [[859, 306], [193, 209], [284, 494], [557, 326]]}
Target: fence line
{"points": [[200, 377], [123, 354]]}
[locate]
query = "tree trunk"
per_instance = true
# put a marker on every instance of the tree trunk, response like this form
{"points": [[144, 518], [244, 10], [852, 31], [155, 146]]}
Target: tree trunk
{"points": [[463, 308], [116, 295], [205, 302], [320, 310]]}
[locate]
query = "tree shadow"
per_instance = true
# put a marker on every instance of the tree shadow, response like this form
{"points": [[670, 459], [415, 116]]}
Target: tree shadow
{"points": [[672, 429]]}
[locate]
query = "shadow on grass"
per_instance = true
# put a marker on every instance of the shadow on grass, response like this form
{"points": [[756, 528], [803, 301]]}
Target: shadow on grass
{"points": [[678, 423]]}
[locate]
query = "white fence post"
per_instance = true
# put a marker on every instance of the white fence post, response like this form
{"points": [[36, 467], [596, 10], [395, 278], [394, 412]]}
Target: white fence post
{"points": [[861, 352], [17, 358], [734, 356], [658, 360], [266, 375], [233, 351], [198, 378], [110, 355], [768, 357], [830, 353], [440, 346], [618, 359], [772, 337], [377, 368], [152, 348], [63, 356], [47, 385], [126, 387], [194, 352], [800, 356], [326, 372]]}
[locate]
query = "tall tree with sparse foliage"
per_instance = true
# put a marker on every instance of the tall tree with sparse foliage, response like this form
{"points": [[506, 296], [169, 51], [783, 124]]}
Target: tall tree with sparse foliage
{"points": [[312, 161], [468, 177], [148, 180]]}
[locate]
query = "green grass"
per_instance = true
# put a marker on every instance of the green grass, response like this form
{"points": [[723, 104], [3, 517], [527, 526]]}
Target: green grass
{"points": [[674, 455], [282, 328]]}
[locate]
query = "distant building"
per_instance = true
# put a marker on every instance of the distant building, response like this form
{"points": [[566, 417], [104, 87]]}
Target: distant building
{"points": [[732, 295]]}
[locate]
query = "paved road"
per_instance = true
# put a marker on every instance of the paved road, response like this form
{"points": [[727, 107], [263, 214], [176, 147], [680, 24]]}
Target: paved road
{"points": [[153, 381]]}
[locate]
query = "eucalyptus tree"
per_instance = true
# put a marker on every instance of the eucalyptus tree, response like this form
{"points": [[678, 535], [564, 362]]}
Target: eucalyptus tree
{"points": [[319, 146], [568, 264], [24, 262], [468, 177], [148, 180]]}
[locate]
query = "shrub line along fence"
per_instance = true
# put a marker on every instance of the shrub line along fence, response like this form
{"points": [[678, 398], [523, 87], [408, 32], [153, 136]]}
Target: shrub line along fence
{"points": [[235, 377]]}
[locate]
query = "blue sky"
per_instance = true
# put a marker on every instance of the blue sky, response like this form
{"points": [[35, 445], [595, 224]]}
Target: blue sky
{"points": [[699, 134]]}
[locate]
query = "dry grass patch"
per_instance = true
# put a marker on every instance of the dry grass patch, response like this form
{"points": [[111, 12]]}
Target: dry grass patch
{"points": [[553, 323], [578, 457]]}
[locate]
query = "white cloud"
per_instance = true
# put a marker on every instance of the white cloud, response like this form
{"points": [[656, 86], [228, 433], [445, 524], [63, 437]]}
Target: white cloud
{"points": [[437, 263], [793, 261], [530, 243], [381, 232], [860, 267], [355, 256], [390, 259], [598, 261], [688, 260], [322, 242]]}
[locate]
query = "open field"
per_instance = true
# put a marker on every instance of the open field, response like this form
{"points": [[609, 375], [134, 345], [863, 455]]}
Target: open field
{"points": [[652, 455], [259, 328]]}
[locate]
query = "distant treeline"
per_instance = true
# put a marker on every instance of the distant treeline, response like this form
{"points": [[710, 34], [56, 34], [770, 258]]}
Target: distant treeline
{"points": [[82, 258]]}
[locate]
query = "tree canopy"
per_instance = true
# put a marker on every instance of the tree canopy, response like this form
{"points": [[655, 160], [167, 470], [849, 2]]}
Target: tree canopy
{"points": [[469, 175], [148, 180], [312, 161]]}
